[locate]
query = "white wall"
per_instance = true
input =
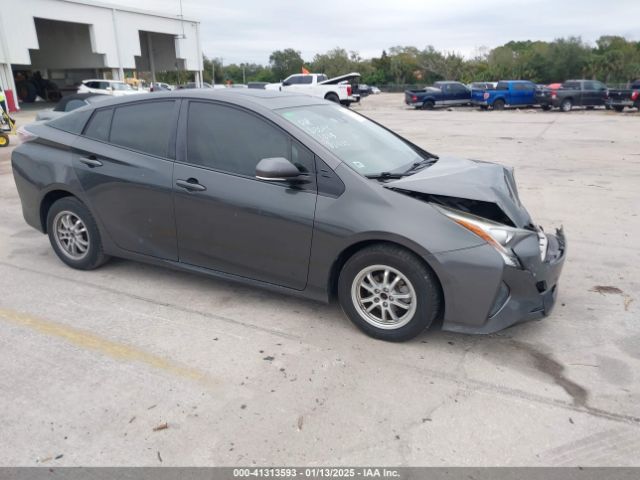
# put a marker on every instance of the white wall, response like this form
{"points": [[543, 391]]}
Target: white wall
{"points": [[114, 30]]}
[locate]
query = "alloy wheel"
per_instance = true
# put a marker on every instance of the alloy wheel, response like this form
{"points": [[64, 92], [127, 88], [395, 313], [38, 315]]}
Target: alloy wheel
{"points": [[383, 297], [71, 235]]}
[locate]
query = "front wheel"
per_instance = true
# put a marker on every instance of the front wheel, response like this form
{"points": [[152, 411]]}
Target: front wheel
{"points": [[498, 105], [4, 139], [74, 235], [389, 293], [566, 105]]}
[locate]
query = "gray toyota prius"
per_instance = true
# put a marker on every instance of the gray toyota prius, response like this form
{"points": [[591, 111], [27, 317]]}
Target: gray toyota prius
{"points": [[295, 194]]}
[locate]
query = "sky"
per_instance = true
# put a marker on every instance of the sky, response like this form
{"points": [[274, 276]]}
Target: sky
{"points": [[249, 30]]}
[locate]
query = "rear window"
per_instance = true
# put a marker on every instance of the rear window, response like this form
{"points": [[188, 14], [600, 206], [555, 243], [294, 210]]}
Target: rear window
{"points": [[74, 104], [73, 122]]}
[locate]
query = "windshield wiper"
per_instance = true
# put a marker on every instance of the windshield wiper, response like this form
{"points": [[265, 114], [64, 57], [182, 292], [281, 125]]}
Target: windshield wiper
{"points": [[385, 175], [419, 165]]}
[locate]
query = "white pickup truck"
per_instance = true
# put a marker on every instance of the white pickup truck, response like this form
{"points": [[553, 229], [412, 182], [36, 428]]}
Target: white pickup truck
{"points": [[337, 89]]}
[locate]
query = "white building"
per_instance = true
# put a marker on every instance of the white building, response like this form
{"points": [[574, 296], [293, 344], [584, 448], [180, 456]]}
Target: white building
{"points": [[71, 40]]}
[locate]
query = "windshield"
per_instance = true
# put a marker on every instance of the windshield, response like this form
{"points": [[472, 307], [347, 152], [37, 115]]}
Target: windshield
{"points": [[364, 146]]}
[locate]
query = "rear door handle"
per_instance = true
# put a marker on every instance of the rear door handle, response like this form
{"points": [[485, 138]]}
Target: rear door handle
{"points": [[91, 160], [191, 184]]}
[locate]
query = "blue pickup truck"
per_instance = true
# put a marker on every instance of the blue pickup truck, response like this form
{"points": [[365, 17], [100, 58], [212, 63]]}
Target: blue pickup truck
{"points": [[441, 94], [508, 93]]}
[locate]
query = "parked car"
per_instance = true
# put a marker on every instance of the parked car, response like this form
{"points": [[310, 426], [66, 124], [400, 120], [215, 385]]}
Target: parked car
{"points": [[70, 103], [375, 90], [507, 93], [241, 193], [364, 90], [628, 97], [160, 87], [574, 93], [441, 94], [107, 87], [338, 89]]}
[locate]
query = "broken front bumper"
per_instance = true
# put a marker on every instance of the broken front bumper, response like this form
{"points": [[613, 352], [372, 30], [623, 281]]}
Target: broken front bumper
{"points": [[482, 295]]}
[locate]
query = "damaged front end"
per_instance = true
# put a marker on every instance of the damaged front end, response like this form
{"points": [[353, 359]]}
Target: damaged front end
{"points": [[485, 292]]}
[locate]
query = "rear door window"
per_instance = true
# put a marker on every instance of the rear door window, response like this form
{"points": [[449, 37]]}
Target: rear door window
{"points": [[146, 127], [502, 86]]}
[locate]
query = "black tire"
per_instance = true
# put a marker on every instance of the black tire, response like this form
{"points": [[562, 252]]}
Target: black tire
{"points": [[484, 107], [590, 107], [94, 256], [498, 104], [618, 108], [332, 97], [566, 105], [428, 105], [637, 105], [4, 140], [546, 108], [421, 281]]}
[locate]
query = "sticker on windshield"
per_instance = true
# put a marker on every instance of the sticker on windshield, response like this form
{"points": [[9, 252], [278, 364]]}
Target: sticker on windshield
{"points": [[358, 164]]}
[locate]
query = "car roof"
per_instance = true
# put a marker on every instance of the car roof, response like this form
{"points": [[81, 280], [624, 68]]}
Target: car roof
{"points": [[248, 97]]}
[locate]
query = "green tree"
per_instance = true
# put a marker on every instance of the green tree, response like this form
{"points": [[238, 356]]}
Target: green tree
{"points": [[285, 62]]}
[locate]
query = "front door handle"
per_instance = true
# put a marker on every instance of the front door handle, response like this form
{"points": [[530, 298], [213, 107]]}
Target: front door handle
{"points": [[191, 184], [91, 160]]}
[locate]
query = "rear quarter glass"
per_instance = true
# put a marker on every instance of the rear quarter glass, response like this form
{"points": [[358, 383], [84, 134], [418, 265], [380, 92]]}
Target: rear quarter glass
{"points": [[72, 122]]}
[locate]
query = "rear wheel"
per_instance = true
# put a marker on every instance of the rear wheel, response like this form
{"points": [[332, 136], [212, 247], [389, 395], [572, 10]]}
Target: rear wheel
{"points": [[637, 105], [428, 105], [74, 235], [546, 108], [4, 140], [388, 292], [332, 97], [498, 104], [618, 108], [566, 105]]}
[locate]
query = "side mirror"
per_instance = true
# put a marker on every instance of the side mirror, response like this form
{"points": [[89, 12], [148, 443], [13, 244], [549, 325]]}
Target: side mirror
{"points": [[277, 169]]}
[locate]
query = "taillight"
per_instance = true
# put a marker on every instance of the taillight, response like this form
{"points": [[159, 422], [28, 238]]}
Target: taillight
{"points": [[635, 95], [25, 135], [349, 90], [414, 98], [486, 95], [554, 94]]}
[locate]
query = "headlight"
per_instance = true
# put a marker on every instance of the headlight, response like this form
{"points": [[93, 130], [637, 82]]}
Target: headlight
{"points": [[495, 234]]}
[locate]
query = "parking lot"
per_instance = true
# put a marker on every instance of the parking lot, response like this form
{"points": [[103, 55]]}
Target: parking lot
{"points": [[132, 364]]}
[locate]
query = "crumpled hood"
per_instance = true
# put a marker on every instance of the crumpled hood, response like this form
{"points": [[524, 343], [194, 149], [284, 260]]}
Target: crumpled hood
{"points": [[469, 179]]}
